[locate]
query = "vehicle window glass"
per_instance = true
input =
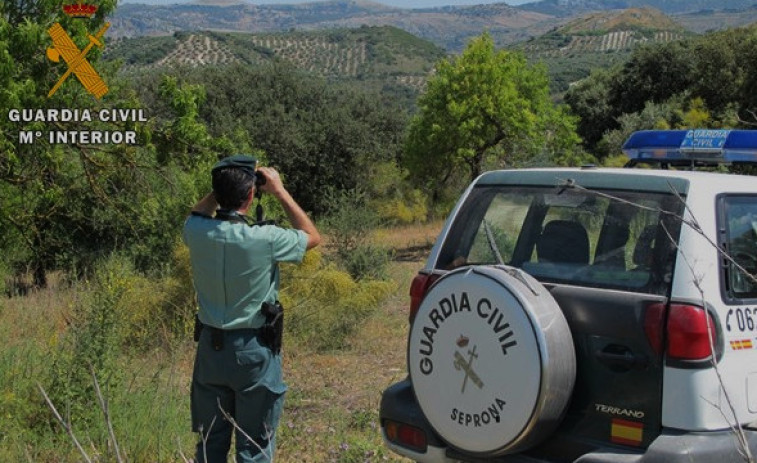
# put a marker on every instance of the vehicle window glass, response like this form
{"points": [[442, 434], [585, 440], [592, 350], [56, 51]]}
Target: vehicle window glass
{"points": [[501, 223], [741, 243], [599, 239]]}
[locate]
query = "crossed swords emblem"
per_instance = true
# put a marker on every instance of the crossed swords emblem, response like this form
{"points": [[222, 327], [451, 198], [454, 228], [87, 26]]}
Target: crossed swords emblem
{"points": [[467, 366], [76, 60]]}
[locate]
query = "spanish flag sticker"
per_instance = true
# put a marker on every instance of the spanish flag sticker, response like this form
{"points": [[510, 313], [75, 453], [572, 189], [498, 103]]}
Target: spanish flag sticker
{"points": [[626, 432], [741, 344]]}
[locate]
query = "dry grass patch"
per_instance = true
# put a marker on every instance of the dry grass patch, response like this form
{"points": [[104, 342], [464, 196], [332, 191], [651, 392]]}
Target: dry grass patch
{"points": [[410, 243]]}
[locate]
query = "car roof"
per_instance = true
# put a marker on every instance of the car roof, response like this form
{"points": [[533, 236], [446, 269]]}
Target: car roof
{"points": [[655, 180]]}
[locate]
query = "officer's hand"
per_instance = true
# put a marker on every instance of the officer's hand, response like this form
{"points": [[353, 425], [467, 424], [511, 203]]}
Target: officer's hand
{"points": [[273, 182]]}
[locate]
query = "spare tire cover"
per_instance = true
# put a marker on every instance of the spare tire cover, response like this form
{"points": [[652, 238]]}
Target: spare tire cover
{"points": [[491, 359]]}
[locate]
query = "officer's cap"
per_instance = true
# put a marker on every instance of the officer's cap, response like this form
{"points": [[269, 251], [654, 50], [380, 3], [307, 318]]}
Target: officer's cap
{"points": [[242, 161]]}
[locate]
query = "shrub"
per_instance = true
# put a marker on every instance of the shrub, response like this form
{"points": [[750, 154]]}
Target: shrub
{"points": [[350, 225], [180, 305], [324, 305], [91, 344], [120, 308], [152, 311], [367, 261], [407, 209], [349, 222]]}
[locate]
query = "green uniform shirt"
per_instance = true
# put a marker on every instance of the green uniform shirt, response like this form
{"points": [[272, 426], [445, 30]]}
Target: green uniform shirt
{"points": [[234, 268]]}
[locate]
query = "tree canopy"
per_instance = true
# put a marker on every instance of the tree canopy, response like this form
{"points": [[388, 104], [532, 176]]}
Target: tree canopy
{"points": [[321, 134], [670, 86], [64, 205], [485, 108]]}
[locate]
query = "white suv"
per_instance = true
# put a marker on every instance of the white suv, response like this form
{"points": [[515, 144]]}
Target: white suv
{"points": [[590, 314]]}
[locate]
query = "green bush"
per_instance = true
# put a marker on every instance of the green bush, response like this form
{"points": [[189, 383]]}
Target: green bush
{"points": [[349, 221], [407, 209], [115, 319], [350, 225], [91, 344], [367, 261], [324, 306], [120, 310], [393, 198]]}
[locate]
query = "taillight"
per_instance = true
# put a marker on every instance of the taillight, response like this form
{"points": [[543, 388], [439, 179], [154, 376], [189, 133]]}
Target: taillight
{"points": [[418, 289], [406, 435], [691, 333]]}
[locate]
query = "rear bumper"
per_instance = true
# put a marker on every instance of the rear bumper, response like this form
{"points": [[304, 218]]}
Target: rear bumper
{"points": [[398, 404], [678, 446]]}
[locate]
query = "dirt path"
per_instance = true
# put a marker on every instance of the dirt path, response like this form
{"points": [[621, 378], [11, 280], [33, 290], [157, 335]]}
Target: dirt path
{"points": [[332, 405]]}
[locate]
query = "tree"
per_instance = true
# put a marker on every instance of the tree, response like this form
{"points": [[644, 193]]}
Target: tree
{"points": [[589, 100], [654, 73], [484, 107], [62, 206], [706, 80], [319, 134], [35, 178]]}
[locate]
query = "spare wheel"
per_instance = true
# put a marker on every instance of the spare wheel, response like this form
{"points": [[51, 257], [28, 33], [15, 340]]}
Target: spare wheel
{"points": [[491, 359]]}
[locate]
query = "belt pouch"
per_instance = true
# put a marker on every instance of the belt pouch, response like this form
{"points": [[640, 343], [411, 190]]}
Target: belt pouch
{"points": [[216, 338]]}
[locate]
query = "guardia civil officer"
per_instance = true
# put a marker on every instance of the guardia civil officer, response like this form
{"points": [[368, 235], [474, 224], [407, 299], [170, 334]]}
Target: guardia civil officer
{"points": [[235, 273]]}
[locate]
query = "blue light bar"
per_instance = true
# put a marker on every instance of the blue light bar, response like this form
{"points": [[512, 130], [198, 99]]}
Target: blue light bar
{"points": [[721, 146]]}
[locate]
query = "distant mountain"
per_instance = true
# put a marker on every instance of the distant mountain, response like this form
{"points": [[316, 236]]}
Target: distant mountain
{"points": [[564, 8], [598, 39], [709, 19], [632, 19], [130, 20], [448, 27], [453, 27]]}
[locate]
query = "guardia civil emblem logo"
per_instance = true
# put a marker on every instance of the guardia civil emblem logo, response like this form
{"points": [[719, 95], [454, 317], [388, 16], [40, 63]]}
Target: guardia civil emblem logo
{"points": [[75, 59], [461, 364]]}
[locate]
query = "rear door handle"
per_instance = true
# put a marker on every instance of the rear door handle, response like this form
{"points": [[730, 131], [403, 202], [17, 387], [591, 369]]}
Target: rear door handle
{"points": [[621, 358]]}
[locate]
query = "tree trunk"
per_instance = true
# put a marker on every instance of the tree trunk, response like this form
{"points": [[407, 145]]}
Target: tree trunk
{"points": [[40, 276]]}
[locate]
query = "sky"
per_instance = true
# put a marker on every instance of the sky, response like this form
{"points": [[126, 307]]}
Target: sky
{"points": [[395, 3]]}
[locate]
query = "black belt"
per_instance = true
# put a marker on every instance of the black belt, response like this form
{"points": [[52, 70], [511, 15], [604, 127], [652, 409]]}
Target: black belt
{"points": [[216, 334], [271, 332]]}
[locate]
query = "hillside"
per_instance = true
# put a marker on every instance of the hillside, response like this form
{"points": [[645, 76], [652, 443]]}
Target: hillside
{"points": [[708, 19], [603, 32], [448, 27], [565, 8], [640, 19], [598, 39], [385, 54], [452, 27]]}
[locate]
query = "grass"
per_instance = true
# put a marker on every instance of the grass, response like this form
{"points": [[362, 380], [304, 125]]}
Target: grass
{"points": [[331, 410]]}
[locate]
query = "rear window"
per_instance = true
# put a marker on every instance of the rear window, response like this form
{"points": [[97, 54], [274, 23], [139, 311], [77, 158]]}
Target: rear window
{"points": [[606, 239], [740, 220]]}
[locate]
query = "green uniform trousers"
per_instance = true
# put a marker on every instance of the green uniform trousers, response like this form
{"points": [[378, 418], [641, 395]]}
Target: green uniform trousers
{"points": [[244, 378]]}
